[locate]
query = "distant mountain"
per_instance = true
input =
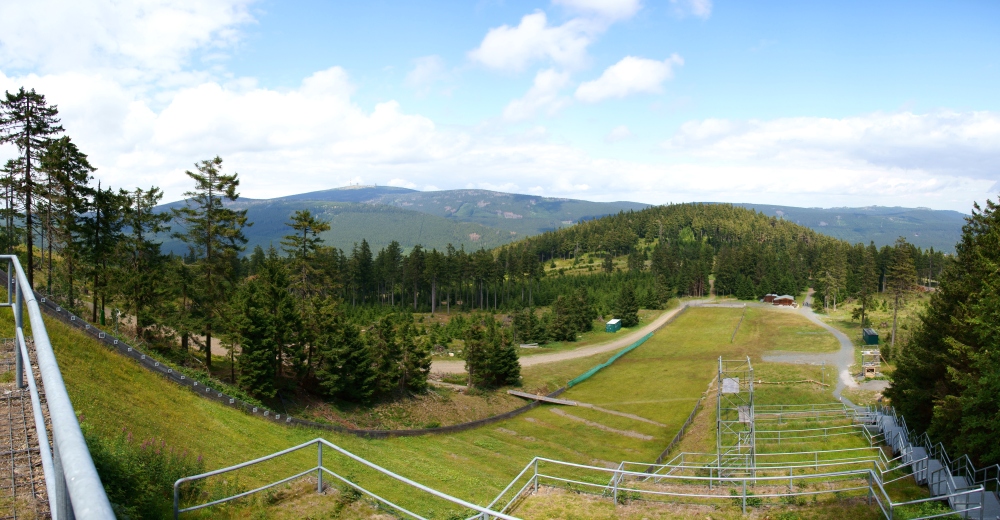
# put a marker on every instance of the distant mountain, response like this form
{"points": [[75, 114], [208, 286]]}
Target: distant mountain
{"points": [[463, 218], [483, 218], [922, 227]]}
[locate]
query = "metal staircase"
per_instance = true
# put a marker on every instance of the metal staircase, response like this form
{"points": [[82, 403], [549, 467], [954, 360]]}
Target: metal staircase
{"points": [[943, 476]]}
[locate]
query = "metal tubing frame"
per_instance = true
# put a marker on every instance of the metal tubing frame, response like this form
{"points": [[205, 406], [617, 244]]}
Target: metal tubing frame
{"points": [[735, 438], [323, 442], [74, 489]]}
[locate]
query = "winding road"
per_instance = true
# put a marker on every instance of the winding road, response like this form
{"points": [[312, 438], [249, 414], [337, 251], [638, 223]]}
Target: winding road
{"points": [[842, 359]]}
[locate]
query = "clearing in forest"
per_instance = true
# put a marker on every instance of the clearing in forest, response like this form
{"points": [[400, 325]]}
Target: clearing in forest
{"points": [[659, 381]]}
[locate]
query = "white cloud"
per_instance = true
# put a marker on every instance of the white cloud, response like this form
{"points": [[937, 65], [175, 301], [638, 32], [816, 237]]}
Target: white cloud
{"points": [[543, 96], [618, 133], [629, 76], [610, 9], [949, 143], [698, 8], [513, 48], [426, 71], [402, 183], [134, 41]]}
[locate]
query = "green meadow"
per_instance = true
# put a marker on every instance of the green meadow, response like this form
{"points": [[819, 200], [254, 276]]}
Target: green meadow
{"points": [[659, 381]]}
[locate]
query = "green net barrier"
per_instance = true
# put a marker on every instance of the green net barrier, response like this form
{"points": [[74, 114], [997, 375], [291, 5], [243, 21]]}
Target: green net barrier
{"points": [[583, 377]]}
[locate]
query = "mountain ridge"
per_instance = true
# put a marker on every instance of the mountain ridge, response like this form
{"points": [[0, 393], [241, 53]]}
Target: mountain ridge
{"points": [[474, 218]]}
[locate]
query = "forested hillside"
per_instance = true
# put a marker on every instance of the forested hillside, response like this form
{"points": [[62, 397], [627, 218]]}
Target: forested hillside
{"points": [[303, 315], [463, 218], [922, 227]]}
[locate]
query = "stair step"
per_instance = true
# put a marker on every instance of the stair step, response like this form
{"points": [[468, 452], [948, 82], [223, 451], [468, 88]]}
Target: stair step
{"points": [[991, 506]]}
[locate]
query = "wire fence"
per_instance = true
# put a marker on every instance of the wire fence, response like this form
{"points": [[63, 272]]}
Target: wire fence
{"points": [[687, 423]]}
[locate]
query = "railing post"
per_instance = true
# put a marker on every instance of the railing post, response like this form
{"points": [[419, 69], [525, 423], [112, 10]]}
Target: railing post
{"points": [[614, 495], [64, 507], [744, 495], [871, 490], [19, 323], [319, 467], [791, 485], [536, 475]]}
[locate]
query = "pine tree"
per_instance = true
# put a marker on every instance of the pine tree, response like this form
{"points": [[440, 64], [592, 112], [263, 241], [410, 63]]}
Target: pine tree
{"points": [[386, 353], [504, 364], [415, 359], [627, 306], [301, 246], [307, 278], [582, 311], [29, 122], [562, 324], [214, 235], [263, 321], [901, 278], [70, 173], [140, 287], [13, 172], [254, 329], [948, 376], [102, 229], [345, 363]]}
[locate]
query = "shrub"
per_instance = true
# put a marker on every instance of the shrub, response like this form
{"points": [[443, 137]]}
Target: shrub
{"points": [[139, 476]]}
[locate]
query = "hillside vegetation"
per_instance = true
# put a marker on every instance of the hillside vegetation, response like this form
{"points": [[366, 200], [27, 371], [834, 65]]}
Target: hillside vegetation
{"points": [[922, 227], [112, 393], [471, 219]]}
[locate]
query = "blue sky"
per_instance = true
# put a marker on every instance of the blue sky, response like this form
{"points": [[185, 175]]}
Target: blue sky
{"points": [[797, 103]]}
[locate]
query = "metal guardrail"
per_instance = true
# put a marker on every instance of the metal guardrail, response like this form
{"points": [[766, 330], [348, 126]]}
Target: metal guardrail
{"points": [[581, 478], [74, 489], [319, 470]]}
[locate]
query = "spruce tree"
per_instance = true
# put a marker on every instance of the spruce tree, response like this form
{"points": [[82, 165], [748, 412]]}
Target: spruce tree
{"points": [[29, 122], [504, 364], [345, 367], [415, 359], [948, 376], [68, 195], [214, 235], [901, 279], [263, 321], [102, 230], [627, 306], [139, 285]]}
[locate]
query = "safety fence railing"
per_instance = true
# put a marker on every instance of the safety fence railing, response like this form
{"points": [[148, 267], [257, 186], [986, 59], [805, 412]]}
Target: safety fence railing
{"points": [[71, 481], [743, 491], [319, 470]]}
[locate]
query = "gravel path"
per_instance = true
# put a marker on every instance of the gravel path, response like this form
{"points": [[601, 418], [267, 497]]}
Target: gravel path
{"points": [[458, 367], [842, 359]]}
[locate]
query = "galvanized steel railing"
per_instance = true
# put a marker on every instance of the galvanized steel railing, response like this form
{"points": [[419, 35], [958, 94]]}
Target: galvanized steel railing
{"points": [[74, 489], [319, 470]]}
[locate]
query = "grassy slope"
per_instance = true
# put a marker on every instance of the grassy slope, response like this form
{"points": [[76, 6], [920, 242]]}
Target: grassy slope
{"points": [[111, 392]]}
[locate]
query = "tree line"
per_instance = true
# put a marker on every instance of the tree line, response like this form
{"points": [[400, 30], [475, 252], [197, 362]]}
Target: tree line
{"points": [[947, 378]]}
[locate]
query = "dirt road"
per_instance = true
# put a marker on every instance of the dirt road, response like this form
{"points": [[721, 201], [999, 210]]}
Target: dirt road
{"points": [[842, 359], [458, 367]]}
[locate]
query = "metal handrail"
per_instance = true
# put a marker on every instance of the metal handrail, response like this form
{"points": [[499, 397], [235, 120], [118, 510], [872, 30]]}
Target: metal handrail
{"points": [[318, 469], [71, 480]]}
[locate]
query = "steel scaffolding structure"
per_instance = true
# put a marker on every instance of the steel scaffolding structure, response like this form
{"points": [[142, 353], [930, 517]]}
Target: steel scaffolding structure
{"points": [[871, 363], [735, 432]]}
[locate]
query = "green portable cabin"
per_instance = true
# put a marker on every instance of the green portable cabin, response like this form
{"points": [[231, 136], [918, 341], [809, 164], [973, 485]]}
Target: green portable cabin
{"points": [[870, 336], [613, 326]]}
